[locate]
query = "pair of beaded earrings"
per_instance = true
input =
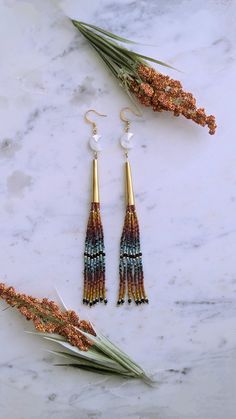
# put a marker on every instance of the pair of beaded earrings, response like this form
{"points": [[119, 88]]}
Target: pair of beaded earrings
{"points": [[130, 265]]}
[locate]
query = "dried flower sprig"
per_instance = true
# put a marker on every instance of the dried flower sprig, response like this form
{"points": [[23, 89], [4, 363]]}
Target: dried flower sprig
{"points": [[48, 318], [83, 347], [139, 80]]}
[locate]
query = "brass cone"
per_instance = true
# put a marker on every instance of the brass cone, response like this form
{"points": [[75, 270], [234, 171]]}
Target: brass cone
{"points": [[129, 185], [95, 190]]}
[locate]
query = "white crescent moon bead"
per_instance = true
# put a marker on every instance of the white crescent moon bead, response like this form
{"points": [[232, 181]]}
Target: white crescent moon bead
{"points": [[95, 143], [126, 140]]}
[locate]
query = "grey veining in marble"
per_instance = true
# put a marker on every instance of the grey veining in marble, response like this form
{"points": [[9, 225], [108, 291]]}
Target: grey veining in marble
{"points": [[185, 183]]}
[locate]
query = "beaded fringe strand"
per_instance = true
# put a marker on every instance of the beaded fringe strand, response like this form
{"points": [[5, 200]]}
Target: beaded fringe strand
{"points": [[94, 259], [131, 267]]}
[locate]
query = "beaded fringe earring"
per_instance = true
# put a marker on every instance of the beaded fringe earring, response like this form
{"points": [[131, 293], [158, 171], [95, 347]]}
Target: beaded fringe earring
{"points": [[94, 254], [131, 266]]}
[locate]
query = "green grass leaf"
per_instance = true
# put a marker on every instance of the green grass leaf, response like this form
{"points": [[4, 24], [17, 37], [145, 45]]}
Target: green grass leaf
{"points": [[103, 31]]}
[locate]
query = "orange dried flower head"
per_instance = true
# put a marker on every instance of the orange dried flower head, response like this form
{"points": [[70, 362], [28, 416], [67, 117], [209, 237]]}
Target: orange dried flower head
{"points": [[165, 94], [49, 318]]}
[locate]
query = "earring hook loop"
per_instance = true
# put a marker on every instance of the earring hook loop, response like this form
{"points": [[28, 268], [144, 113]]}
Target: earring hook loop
{"points": [[125, 119], [89, 121]]}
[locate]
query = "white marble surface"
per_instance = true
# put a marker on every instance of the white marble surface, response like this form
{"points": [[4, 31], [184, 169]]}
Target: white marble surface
{"points": [[185, 184]]}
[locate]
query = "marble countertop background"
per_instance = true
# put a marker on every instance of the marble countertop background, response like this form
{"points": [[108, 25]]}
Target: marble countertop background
{"points": [[185, 183]]}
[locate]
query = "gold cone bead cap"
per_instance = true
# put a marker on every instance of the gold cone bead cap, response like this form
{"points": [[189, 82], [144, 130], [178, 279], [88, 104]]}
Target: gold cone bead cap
{"points": [[129, 185], [95, 190]]}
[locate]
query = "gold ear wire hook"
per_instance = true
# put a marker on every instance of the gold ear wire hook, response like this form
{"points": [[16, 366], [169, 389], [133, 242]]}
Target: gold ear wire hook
{"points": [[125, 120], [94, 125]]}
